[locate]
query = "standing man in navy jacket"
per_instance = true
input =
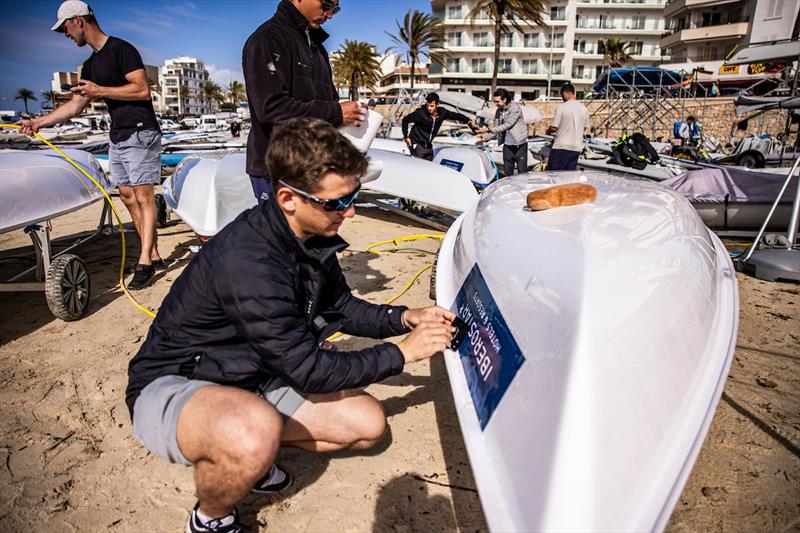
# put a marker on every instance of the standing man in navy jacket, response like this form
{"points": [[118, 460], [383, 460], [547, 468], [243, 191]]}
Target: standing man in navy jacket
{"points": [[287, 74], [236, 362]]}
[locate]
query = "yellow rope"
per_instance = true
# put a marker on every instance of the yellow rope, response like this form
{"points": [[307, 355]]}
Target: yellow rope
{"points": [[113, 209]]}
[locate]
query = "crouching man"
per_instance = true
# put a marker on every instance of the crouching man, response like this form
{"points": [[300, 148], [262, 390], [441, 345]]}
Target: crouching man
{"points": [[236, 363]]}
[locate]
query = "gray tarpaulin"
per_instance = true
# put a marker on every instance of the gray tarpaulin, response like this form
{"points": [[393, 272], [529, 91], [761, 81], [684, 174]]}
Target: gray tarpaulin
{"points": [[734, 184]]}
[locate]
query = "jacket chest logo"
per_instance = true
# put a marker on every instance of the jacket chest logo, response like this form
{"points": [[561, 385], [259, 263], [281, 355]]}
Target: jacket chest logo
{"points": [[309, 306]]}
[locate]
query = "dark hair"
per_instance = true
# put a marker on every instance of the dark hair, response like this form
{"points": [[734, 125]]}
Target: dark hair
{"points": [[690, 117], [432, 97], [302, 150], [567, 88], [504, 94]]}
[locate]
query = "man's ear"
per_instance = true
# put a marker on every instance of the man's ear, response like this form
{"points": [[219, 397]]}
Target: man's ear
{"points": [[286, 199]]}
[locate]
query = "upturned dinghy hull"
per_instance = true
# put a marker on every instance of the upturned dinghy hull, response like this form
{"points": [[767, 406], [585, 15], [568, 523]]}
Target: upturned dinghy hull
{"points": [[599, 340]]}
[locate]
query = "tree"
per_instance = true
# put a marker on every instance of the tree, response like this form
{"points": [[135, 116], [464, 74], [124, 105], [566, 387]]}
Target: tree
{"points": [[503, 13], [211, 92], [183, 94], [356, 65], [51, 96], [420, 35], [236, 92], [25, 95], [615, 52]]}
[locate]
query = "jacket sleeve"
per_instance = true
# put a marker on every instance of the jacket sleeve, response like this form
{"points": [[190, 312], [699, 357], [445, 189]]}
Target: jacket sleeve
{"points": [[513, 114], [267, 67], [363, 318], [266, 315], [452, 115], [406, 121]]}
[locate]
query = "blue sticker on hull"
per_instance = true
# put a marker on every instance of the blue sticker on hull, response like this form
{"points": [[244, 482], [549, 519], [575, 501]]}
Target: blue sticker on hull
{"points": [[455, 165], [489, 354]]}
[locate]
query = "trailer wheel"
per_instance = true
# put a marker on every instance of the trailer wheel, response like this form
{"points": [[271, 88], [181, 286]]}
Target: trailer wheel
{"points": [[751, 159], [161, 210], [432, 292], [67, 288]]}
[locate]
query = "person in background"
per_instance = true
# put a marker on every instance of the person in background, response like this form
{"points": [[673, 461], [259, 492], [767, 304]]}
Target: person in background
{"points": [[287, 74], [569, 122], [427, 120], [115, 73], [693, 130], [714, 90], [509, 125], [236, 364]]}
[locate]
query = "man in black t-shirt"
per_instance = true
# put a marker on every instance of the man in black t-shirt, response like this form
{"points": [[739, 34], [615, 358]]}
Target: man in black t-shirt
{"points": [[115, 73]]}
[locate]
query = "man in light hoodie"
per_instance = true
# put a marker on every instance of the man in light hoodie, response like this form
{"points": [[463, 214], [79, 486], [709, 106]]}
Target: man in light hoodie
{"points": [[509, 125]]}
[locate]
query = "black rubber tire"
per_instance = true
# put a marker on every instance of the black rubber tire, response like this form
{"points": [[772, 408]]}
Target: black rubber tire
{"points": [[68, 287], [162, 217], [432, 291], [751, 159]]}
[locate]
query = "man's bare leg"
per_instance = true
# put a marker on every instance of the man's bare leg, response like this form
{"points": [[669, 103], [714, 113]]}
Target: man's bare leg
{"points": [[232, 436], [350, 419], [147, 219]]}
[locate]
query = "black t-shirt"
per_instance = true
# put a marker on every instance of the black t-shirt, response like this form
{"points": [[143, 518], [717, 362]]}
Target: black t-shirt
{"points": [[107, 68]]}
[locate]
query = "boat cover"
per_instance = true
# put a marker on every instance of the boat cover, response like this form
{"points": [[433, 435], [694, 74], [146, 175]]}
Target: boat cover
{"points": [[745, 104], [732, 184], [642, 77]]}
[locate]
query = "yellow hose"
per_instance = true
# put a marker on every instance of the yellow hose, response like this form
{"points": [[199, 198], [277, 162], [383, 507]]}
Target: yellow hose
{"points": [[113, 209]]}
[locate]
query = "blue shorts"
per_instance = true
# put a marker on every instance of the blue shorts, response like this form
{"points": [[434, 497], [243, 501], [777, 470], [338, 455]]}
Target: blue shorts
{"points": [[136, 160], [562, 160]]}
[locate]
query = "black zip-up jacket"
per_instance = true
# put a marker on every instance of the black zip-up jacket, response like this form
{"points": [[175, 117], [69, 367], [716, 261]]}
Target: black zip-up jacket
{"points": [[287, 74], [425, 128], [255, 303]]}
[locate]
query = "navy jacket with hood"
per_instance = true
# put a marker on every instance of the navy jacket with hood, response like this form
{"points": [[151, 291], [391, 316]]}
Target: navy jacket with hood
{"points": [[255, 303]]}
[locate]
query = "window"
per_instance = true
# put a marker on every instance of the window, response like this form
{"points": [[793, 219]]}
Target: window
{"points": [[711, 19], [453, 38], [454, 65], [480, 65], [707, 53], [483, 14], [455, 12], [530, 66], [577, 71], [556, 66], [606, 22], [530, 95], [635, 48], [582, 22], [505, 67], [598, 70], [558, 40], [558, 13], [481, 38], [532, 40], [507, 39], [637, 23]]}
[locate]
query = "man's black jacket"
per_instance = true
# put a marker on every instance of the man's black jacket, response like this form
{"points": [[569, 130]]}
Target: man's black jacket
{"points": [[425, 128], [254, 303], [287, 74]]}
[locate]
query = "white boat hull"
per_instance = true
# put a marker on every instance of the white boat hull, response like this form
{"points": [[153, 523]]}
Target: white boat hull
{"points": [[601, 337], [40, 185]]}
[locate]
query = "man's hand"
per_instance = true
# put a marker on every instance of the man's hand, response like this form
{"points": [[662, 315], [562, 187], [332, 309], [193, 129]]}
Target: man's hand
{"points": [[28, 127], [551, 130], [482, 130], [435, 314], [408, 142], [88, 89], [428, 338], [353, 113]]}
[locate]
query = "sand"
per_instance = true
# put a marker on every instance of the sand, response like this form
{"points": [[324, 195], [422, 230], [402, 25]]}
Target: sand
{"points": [[68, 460]]}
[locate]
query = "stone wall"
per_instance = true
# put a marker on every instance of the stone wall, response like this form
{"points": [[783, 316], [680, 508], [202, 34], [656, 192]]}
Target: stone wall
{"points": [[716, 115]]}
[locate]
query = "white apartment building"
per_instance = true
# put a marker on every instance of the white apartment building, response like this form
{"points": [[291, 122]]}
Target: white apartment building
{"points": [[397, 77], [182, 80], [539, 60], [61, 79]]}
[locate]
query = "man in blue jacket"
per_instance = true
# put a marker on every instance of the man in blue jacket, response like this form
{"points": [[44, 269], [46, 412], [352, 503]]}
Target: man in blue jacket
{"points": [[236, 363]]}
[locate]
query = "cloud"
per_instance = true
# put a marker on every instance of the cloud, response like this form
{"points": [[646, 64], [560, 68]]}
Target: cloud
{"points": [[223, 76], [185, 9]]}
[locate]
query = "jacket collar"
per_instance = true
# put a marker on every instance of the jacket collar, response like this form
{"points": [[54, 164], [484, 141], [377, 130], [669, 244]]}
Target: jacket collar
{"points": [[316, 248], [289, 13]]}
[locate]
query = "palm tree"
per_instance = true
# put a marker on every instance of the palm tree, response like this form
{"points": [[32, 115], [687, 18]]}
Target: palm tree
{"points": [[25, 95], [236, 92], [51, 96], [183, 94], [211, 91], [356, 65], [615, 52], [503, 12], [420, 35]]}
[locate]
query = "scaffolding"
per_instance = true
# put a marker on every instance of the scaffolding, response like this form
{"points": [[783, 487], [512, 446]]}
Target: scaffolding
{"points": [[646, 99]]}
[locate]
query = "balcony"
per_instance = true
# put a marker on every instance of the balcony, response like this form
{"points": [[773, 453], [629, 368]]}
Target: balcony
{"points": [[620, 4], [594, 28], [736, 30], [675, 7]]}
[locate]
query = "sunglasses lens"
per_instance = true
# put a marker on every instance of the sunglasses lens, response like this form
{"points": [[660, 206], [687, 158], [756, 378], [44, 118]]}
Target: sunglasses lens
{"points": [[343, 203]]}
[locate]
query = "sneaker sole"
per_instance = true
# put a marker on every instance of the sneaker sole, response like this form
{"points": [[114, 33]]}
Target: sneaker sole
{"points": [[276, 488]]}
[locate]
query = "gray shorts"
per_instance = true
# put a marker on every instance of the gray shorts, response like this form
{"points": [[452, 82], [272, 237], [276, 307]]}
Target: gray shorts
{"points": [[136, 160], [159, 405]]}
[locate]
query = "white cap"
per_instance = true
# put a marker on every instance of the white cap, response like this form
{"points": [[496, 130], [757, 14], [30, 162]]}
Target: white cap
{"points": [[70, 9]]}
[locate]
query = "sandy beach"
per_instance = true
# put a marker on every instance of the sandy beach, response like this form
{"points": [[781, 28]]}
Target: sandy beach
{"points": [[69, 462]]}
